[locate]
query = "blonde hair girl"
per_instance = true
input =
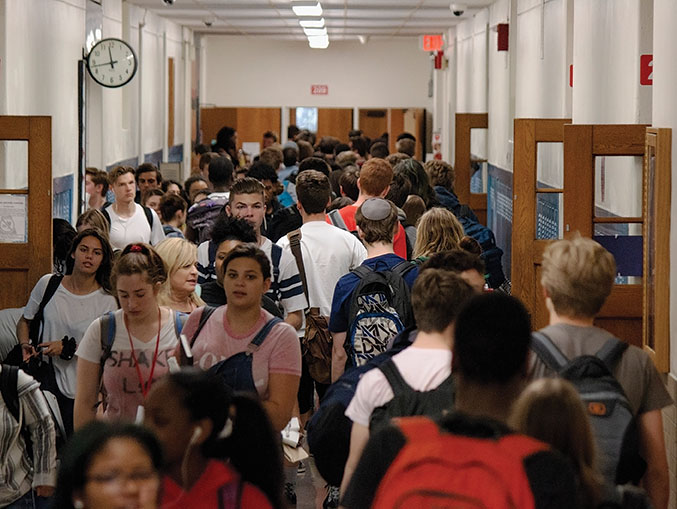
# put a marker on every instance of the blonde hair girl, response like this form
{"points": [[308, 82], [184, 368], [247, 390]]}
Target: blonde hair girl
{"points": [[178, 291]]}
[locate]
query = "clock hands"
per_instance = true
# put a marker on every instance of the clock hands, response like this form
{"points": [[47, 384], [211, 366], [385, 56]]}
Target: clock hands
{"points": [[105, 63], [110, 55]]}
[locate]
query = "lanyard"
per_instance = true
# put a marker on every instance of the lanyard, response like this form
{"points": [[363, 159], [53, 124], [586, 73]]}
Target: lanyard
{"points": [[145, 387]]}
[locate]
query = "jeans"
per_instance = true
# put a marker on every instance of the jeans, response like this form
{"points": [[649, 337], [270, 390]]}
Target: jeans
{"points": [[30, 501]]}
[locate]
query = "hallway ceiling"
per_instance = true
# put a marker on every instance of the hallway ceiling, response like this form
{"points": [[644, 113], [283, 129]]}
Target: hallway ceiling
{"points": [[345, 19]]}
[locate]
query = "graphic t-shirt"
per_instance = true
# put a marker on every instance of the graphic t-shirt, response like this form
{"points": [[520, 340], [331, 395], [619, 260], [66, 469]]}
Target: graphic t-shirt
{"points": [[120, 376], [67, 314]]}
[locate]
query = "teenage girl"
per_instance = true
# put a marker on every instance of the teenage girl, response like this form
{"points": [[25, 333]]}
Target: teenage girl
{"points": [[82, 296], [142, 335], [217, 446]]}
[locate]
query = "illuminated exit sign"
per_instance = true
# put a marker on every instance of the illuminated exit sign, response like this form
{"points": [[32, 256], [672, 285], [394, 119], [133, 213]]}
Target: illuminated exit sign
{"points": [[434, 42]]}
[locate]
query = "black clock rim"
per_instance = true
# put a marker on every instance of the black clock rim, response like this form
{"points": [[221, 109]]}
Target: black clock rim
{"points": [[136, 62]]}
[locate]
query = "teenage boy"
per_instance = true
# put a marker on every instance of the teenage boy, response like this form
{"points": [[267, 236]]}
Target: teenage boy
{"points": [[577, 278], [129, 221], [247, 201], [147, 177], [376, 222], [373, 182], [490, 354], [96, 186], [436, 299], [173, 214]]}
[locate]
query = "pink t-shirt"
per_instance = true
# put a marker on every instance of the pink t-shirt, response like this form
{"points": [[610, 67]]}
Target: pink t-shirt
{"points": [[279, 353], [120, 376]]}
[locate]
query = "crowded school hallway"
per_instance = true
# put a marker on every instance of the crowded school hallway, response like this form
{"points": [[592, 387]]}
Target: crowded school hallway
{"points": [[337, 254]]}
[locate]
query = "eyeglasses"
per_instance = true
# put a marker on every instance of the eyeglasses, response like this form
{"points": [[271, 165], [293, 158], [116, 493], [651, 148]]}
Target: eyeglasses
{"points": [[121, 478]]}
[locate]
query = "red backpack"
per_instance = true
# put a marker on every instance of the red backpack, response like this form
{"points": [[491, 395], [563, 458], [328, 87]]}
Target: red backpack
{"points": [[444, 470]]}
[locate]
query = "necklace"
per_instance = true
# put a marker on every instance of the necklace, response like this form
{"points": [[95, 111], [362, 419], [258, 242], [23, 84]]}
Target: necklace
{"points": [[145, 386]]}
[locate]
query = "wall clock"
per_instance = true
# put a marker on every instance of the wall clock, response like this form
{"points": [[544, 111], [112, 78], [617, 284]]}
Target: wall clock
{"points": [[112, 63]]}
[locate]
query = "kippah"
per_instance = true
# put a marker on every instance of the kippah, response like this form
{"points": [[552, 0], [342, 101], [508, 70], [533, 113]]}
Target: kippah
{"points": [[375, 209]]}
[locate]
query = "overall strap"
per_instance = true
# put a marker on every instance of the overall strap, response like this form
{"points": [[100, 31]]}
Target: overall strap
{"points": [[261, 335], [611, 352], [547, 351], [394, 377]]}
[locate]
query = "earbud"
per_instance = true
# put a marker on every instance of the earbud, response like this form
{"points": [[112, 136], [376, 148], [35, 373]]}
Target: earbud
{"points": [[78, 504], [196, 434]]}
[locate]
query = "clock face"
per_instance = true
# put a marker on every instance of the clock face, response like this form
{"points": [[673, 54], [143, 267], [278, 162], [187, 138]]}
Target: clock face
{"points": [[112, 63]]}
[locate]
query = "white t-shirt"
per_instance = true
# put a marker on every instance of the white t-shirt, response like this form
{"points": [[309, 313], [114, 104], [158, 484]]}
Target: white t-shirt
{"points": [[424, 369], [67, 314], [126, 230], [120, 376], [328, 253], [291, 287]]}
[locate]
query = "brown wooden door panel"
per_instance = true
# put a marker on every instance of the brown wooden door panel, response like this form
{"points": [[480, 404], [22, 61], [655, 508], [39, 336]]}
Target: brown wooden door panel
{"points": [[336, 122], [213, 119], [22, 264], [373, 122], [251, 123], [462, 164]]}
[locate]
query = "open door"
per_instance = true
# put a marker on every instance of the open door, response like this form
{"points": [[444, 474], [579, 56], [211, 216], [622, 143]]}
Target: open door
{"points": [[463, 165], [531, 197], [25, 213]]}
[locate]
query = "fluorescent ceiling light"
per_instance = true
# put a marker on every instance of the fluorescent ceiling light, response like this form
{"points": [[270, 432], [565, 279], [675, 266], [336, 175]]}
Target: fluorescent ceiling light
{"points": [[307, 9], [310, 32], [318, 41], [312, 23]]}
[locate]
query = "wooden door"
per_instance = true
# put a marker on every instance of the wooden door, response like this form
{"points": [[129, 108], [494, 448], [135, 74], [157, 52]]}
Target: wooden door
{"points": [[527, 249], [622, 312], [24, 260], [250, 123], [463, 164], [373, 122], [411, 120], [336, 122]]}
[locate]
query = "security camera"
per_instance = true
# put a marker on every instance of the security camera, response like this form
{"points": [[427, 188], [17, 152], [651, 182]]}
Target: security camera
{"points": [[208, 21], [168, 2], [458, 9]]}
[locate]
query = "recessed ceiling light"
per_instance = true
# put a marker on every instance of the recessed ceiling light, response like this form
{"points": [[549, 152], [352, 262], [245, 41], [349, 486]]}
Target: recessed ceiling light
{"points": [[318, 41], [310, 32], [312, 23], [307, 8]]}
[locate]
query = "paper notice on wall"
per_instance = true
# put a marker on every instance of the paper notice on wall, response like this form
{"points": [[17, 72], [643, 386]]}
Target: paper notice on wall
{"points": [[13, 218], [251, 148]]}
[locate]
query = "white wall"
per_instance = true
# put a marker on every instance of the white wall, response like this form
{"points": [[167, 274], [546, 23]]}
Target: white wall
{"points": [[499, 103], [259, 72]]}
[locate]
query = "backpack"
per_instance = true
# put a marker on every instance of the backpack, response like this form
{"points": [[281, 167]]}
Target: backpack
{"points": [[380, 308], [146, 211], [611, 417], [328, 431], [445, 470], [202, 215], [408, 401], [9, 379], [275, 293]]}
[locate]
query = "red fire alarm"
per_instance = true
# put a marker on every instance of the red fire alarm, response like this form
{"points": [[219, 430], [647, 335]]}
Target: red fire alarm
{"points": [[503, 34], [439, 57]]}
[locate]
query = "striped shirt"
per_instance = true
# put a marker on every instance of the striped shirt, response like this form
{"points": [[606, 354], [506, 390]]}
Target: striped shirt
{"points": [[291, 295], [19, 472]]}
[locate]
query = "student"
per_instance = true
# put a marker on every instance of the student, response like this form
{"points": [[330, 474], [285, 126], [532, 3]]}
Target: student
{"points": [[109, 465], [323, 266], [170, 186], [144, 336], [92, 218], [373, 182], [438, 230], [227, 233], [147, 177], [214, 444], [26, 480], [173, 215], [78, 299], [96, 187], [437, 298], [272, 370], [192, 185], [247, 202], [129, 221], [178, 292], [151, 198], [490, 355], [377, 222], [577, 277]]}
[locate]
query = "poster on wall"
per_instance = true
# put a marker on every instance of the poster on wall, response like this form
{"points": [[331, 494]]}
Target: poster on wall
{"points": [[13, 218]]}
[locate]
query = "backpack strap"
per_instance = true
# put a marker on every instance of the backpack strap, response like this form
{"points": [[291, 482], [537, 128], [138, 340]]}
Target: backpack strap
{"points": [[207, 311], [212, 247], [403, 268], [34, 330], [611, 352], [107, 336], [106, 215], [275, 256], [361, 271], [547, 351], [9, 378], [337, 220], [394, 378], [261, 335], [294, 238], [149, 216]]}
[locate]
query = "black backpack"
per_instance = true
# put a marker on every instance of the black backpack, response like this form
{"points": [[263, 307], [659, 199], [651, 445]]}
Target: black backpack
{"points": [[201, 217], [380, 308], [611, 417], [407, 401]]}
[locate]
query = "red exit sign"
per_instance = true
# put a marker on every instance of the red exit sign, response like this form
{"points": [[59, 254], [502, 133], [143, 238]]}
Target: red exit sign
{"points": [[319, 89], [434, 42]]}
